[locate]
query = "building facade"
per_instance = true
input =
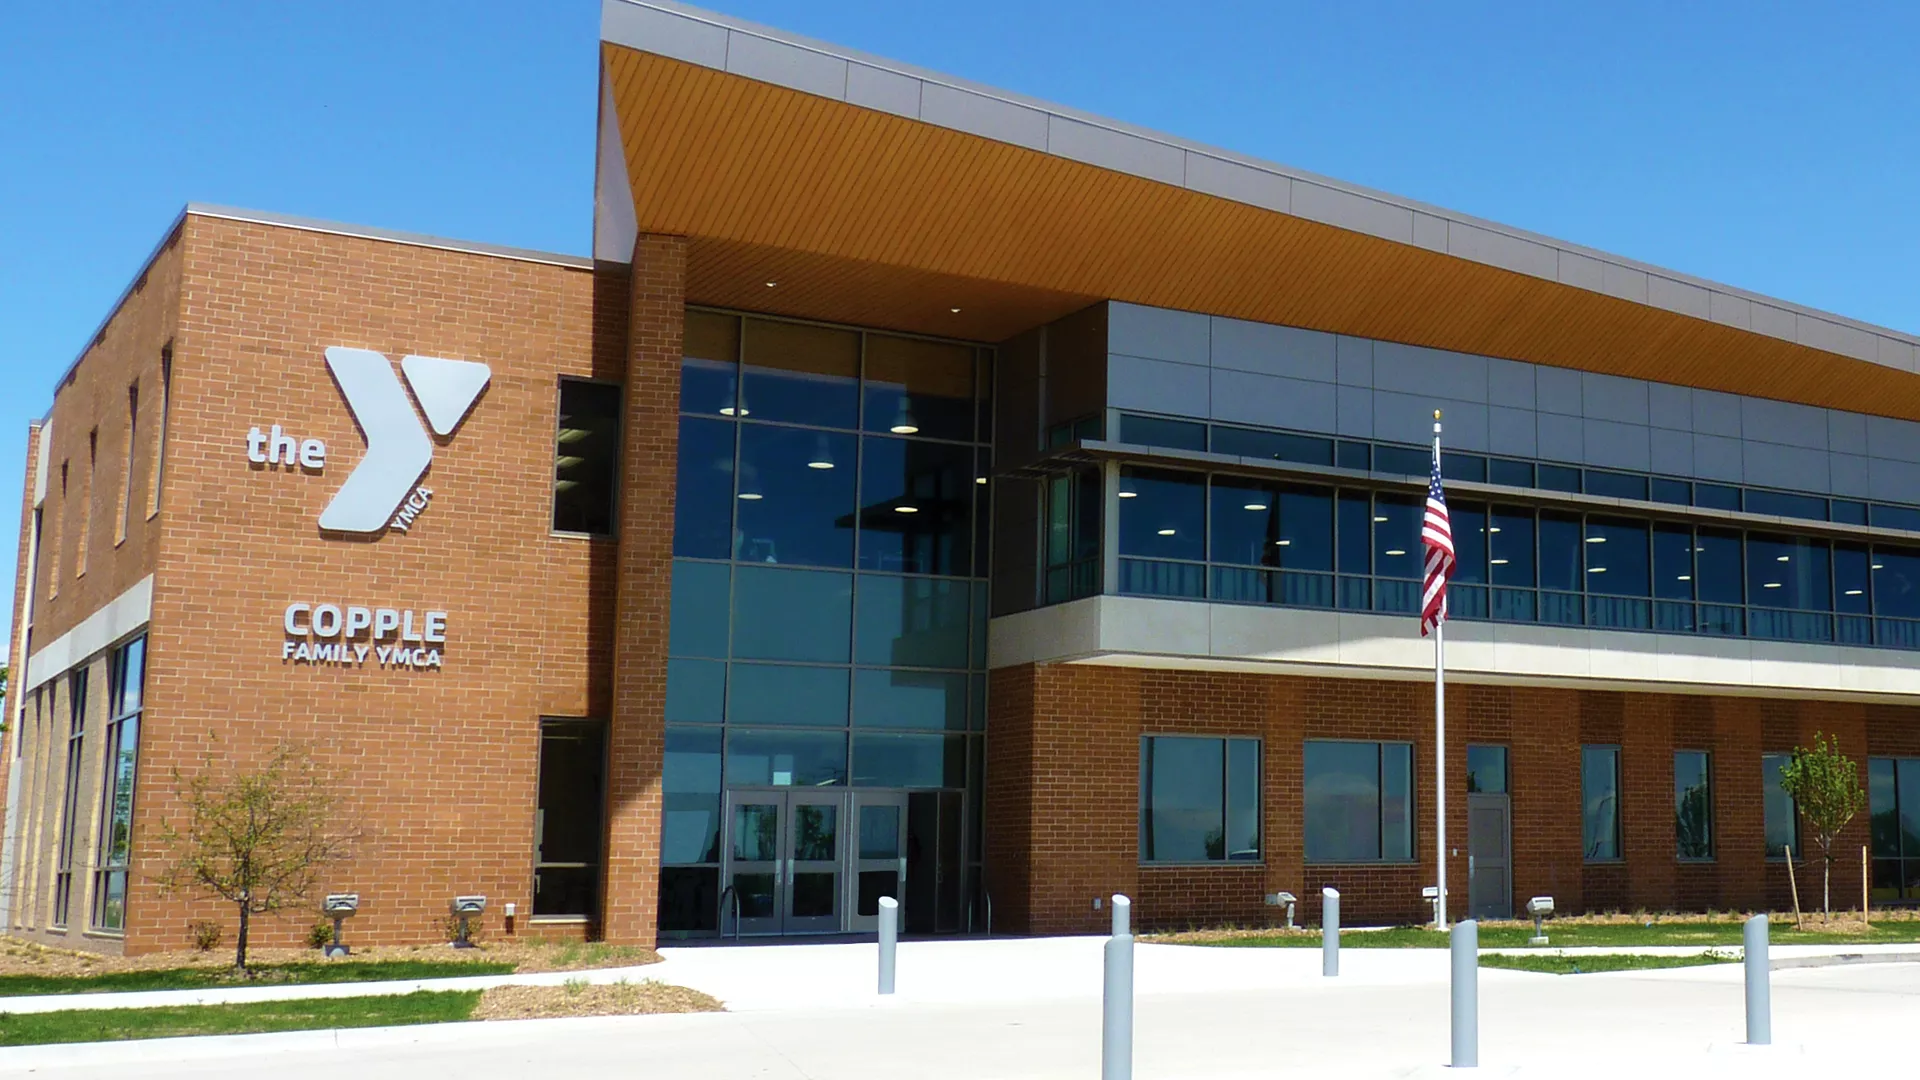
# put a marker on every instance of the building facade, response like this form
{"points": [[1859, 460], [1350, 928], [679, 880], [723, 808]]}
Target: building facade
{"points": [[929, 492]]}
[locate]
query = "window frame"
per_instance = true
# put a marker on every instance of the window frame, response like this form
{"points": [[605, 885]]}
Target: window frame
{"points": [[1619, 857], [1226, 800], [619, 461], [1784, 756], [1713, 846], [118, 717], [1413, 809], [599, 864]]}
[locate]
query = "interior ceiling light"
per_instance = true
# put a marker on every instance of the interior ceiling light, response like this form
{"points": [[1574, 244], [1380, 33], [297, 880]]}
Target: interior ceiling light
{"points": [[1493, 528], [1596, 539], [1782, 558], [1282, 543], [903, 508], [1254, 506], [1877, 566], [1684, 577], [1771, 585], [979, 479], [1129, 493], [822, 454], [1499, 562], [903, 421], [1166, 532], [956, 311], [1853, 592], [1378, 518], [752, 496], [1394, 552], [734, 403], [1596, 569], [771, 284]]}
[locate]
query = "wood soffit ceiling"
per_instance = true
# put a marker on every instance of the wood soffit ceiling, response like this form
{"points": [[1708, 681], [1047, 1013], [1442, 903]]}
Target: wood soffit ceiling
{"points": [[866, 217]]}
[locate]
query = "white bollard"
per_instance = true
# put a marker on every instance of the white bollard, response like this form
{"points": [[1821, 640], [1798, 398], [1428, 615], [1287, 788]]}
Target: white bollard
{"points": [[1329, 931], [1116, 1028], [1466, 994], [889, 937], [1759, 993]]}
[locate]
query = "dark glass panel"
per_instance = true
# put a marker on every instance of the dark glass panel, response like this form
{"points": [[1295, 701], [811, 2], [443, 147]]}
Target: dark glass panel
{"points": [[1294, 588], [696, 691], [697, 625], [1511, 605], [1272, 445], [1511, 473], [1487, 770], [786, 758], [1907, 772], [1561, 557], [1559, 478], [690, 785], [795, 497], [1851, 578], [983, 395], [1243, 798], [1265, 524], [1883, 808], [1665, 490], [586, 457], [1692, 804], [1157, 431], [1565, 609], [1616, 485], [1895, 517], [1780, 818], [572, 799], [916, 506], [1469, 523], [1788, 572], [1469, 467], [1782, 504], [1510, 546], [918, 387], [1404, 460], [1353, 455], [710, 364], [912, 621], [1716, 496], [1847, 512], [1717, 568], [1616, 552], [1355, 531], [800, 374], [703, 500], [1396, 535], [1600, 798], [1152, 577], [1896, 582], [767, 694], [1182, 799], [909, 761], [792, 615], [928, 700], [1672, 561], [982, 510], [1342, 801], [1167, 518], [1396, 801]]}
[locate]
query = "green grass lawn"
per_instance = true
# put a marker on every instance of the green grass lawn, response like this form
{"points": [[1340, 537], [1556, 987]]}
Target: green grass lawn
{"points": [[1570, 935], [1596, 962], [99, 1025], [197, 978]]}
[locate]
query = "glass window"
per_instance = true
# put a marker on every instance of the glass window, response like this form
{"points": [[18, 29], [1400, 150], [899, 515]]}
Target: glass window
{"points": [[124, 693], [1893, 805], [1600, 802], [1359, 801], [1896, 582], [932, 700], [912, 621], [1782, 504], [792, 615], [1693, 803], [1403, 460], [696, 691], [690, 782], [1616, 550], [698, 622], [1264, 524], [1158, 431], [800, 374], [1782, 818], [1355, 532], [703, 494], [916, 506], [909, 761], [710, 364], [1272, 445], [1469, 467], [1199, 799], [566, 857], [1716, 496], [796, 497], [1510, 546], [1672, 561], [1353, 455], [1895, 517], [1469, 524], [1615, 485], [1851, 578], [1560, 551], [586, 465], [919, 387], [786, 758], [1396, 535], [1717, 570], [766, 694], [1487, 770], [1167, 517], [1511, 473], [1559, 478], [1847, 512], [1677, 492], [1788, 572]]}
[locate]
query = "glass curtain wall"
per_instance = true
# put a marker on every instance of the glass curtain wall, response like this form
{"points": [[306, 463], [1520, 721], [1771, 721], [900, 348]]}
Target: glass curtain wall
{"points": [[126, 680], [829, 603]]}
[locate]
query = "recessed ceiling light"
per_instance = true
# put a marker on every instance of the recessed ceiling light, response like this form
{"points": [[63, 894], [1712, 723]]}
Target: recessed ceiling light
{"points": [[1771, 585], [1782, 558], [1282, 543], [1684, 577], [1135, 494], [1394, 552], [1596, 539], [751, 496], [904, 429], [906, 509], [1378, 518], [1877, 566], [820, 464], [956, 311], [771, 284], [1166, 532], [1853, 592], [979, 479], [1493, 528], [1499, 562], [1254, 506], [1596, 569]]}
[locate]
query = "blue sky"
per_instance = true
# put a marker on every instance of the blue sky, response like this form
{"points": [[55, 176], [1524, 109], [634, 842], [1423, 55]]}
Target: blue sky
{"points": [[1766, 146]]}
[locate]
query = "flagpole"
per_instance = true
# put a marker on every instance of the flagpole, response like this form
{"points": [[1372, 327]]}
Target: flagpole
{"points": [[1439, 742]]}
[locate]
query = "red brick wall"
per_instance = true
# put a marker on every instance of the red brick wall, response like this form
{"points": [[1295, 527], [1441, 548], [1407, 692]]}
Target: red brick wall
{"points": [[1063, 790]]}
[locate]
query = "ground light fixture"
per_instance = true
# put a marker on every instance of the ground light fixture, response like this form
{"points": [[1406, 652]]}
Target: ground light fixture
{"points": [[1431, 894], [464, 909], [1283, 900], [1539, 907], [338, 906]]}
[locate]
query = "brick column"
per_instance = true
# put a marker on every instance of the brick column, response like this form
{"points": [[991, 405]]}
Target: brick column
{"points": [[22, 587], [643, 589]]}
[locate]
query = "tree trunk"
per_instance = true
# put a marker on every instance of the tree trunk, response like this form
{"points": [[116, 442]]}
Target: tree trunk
{"points": [[240, 942], [1826, 888]]}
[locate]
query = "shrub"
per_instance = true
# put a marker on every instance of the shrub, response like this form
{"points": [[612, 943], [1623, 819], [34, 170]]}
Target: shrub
{"points": [[320, 935], [206, 935]]}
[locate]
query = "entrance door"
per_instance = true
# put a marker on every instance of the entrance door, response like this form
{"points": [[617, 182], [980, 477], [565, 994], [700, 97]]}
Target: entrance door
{"points": [[755, 820], [879, 856], [785, 852], [815, 846], [1489, 867]]}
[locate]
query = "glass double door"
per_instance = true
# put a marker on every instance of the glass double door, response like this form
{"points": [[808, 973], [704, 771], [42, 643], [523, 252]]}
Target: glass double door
{"points": [[808, 861]]}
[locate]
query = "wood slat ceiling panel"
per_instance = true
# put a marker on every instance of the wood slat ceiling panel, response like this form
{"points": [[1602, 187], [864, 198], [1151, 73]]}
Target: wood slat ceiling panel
{"points": [[858, 211]]}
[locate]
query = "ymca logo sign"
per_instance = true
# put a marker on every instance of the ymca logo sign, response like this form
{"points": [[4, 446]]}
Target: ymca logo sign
{"points": [[383, 491]]}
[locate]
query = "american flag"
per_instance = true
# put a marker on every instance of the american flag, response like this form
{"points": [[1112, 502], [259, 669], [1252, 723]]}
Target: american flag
{"points": [[1436, 536]]}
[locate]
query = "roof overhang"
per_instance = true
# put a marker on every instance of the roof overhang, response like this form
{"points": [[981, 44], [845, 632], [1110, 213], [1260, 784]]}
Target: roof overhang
{"points": [[872, 192]]}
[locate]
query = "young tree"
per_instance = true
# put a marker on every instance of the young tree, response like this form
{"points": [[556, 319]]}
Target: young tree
{"points": [[256, 838], [1825, 786]]}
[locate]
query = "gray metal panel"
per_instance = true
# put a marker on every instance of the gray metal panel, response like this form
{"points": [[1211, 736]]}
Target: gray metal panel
{"points": [[1242, 183], [1159, 333], [1354, 411], [1350, 210], [1838, 338], [1765, 420], [786, 65], [1408, 418], [1898, 354], [1353, 361], [1672, 451], [1558, 438], [1557, 390], [987, 117], [666, 33], [1429, 232], [1793, 467], [1135, 382], [1511, 431], [887, 91], [1116, 150], [1849, 474], [1503, 250], [1625, 282], [1715, 413], [1846, 432], [1773, 321], [1676, 296], [1897, 440], [1730, 310], [1670, 406], [1894, 481], [1610, 397], [1273, 350], [1582, 272], [1410, 369], [1510, 382], [1614, 445], [1716, 458], [1242, 397]]}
